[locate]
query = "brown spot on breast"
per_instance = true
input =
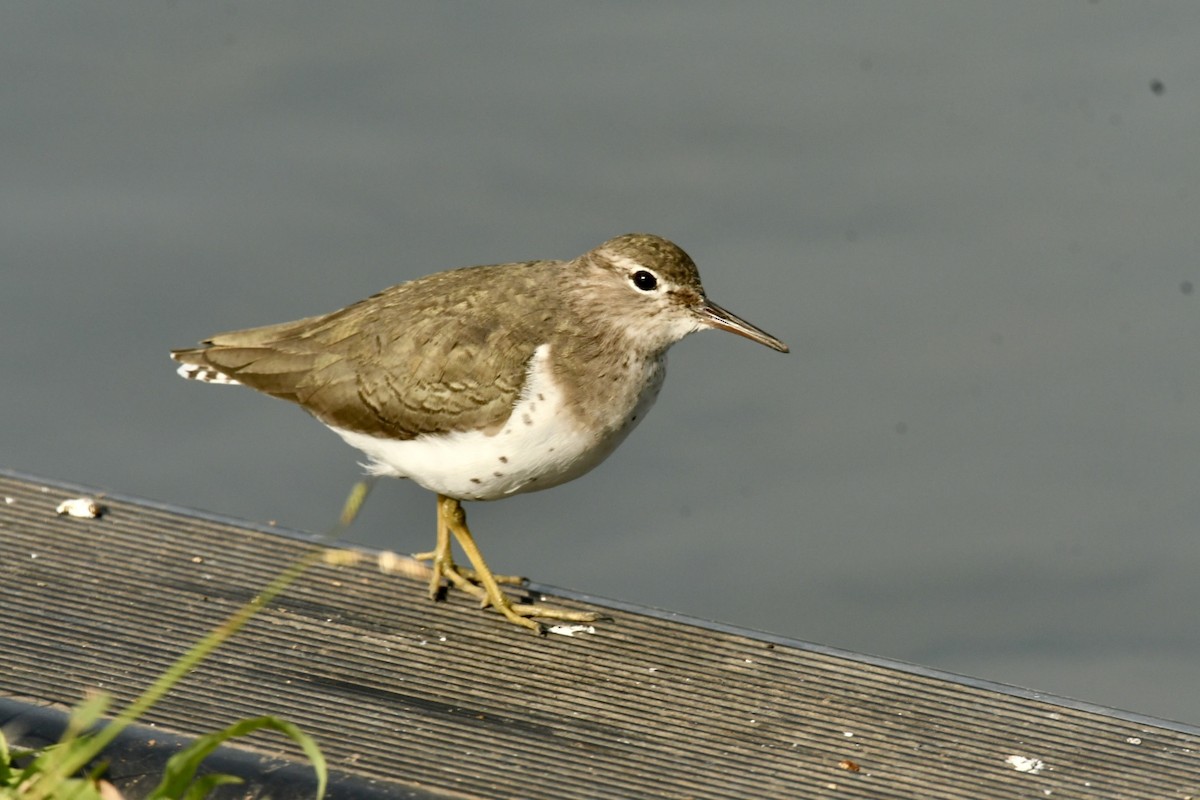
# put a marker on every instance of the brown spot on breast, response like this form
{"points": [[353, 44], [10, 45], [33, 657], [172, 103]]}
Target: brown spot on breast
{"points": [[526, 419], [476, 480], [503, 459], [541, 397], [497, 474]]}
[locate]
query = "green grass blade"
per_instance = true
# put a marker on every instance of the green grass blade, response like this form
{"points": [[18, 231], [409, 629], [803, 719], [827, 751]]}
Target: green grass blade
{"points": [[181, 768]]}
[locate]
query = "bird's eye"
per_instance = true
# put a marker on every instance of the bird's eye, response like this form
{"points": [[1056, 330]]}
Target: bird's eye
{"points": [[645, 280]]}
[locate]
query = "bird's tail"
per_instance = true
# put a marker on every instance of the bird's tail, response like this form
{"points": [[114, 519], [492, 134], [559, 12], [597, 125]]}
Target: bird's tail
{"points": [[195, 367]]}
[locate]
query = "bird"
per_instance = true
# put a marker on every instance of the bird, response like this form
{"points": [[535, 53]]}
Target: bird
{"points": [[484, 382]]}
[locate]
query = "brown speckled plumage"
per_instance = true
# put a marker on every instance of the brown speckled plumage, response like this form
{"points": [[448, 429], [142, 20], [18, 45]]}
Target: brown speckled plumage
{"points": [[448, 352]]}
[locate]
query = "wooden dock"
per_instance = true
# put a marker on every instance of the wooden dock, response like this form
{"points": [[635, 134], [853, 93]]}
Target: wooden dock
{"points": [[411, 699]]}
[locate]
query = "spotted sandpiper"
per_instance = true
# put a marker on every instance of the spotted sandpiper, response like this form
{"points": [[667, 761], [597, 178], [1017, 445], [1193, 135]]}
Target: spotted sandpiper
{"points": [[484, 382]]}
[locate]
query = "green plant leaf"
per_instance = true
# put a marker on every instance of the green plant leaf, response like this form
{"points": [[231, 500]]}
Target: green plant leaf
{"points": [[181, 768], [206, 783], [70, 789], [6, 768]]}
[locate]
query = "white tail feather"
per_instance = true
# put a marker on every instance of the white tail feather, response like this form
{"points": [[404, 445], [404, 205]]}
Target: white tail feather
{"points": [[196, 372]]}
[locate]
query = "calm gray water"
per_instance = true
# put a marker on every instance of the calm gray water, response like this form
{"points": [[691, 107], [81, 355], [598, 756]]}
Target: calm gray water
{"points": [[976, 224]]}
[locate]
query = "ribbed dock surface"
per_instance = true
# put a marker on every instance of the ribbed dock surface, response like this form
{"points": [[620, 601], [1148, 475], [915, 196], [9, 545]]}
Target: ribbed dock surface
{"points": [[421, 700]]}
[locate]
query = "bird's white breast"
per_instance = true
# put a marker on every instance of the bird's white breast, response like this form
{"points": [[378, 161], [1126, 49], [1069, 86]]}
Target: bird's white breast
{"points": [[541, 444]]}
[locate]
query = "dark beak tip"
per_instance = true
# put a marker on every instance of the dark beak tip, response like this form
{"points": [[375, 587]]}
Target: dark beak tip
{"points": [[715, 316]]}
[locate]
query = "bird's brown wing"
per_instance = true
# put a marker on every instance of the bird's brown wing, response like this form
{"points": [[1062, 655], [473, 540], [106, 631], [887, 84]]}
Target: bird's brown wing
{"points": [[443, 353]]}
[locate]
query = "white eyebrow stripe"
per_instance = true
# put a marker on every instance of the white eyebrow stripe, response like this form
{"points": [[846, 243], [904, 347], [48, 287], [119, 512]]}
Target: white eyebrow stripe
{"points": [[631, 265]]}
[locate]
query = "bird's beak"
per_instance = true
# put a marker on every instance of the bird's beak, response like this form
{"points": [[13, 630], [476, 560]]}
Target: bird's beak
{"points": [[717, 317]]}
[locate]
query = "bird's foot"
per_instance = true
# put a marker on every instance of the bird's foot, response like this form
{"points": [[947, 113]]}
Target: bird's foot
{"points": [[523, 613], [543, 611], [465, 578], [480, 582]]}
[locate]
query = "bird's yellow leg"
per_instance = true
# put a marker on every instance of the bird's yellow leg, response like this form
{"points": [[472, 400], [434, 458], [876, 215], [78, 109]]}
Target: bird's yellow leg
{"points": [[442, 563], [450, 512]]}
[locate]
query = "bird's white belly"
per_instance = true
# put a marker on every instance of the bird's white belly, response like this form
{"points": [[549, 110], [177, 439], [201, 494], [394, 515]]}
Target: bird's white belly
{"points": [[539, 446]]}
